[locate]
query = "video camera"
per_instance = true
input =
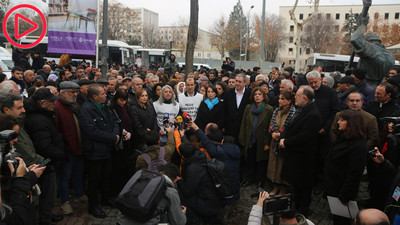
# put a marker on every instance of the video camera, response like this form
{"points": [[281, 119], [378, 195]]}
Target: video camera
{"points": [[275, 205], [8, 153], [394, 136]]}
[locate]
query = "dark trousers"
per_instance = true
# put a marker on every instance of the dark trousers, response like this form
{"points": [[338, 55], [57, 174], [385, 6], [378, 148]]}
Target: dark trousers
{"points": [[255, 170], [323, 146], [99, 176], [48, 187], [339, 220], [302, 198]]}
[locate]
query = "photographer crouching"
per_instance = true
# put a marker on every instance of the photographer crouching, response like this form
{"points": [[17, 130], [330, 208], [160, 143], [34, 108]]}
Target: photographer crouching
{"points": [[279, 206], [16, 180]]}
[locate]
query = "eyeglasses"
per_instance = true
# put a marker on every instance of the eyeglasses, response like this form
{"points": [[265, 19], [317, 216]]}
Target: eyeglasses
{"points": [[354, 100]]}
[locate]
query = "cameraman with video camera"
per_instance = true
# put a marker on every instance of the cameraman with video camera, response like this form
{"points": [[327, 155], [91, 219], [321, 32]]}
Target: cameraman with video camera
{"points": [[15, 203], [286, 217]]}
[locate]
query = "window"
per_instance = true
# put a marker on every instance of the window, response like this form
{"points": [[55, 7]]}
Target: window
{"points": [[337, 16], [290, 39], [310, 14], [300, 51], [346, 16], [376, 16], [337, 28], [209, 55], [328, 16], [291, 27], [319, 16], [386, 16], [301, 16], [396, 16], [199, 54], [308, 51], [291, 51]]}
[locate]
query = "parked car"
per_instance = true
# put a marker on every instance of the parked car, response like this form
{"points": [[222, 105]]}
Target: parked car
{"points": [[196, 66]]}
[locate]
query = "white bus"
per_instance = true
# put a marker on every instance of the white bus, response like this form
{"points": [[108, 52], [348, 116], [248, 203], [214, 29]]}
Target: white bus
{"points": [[331, 62], [119, 52], [147, 56]]}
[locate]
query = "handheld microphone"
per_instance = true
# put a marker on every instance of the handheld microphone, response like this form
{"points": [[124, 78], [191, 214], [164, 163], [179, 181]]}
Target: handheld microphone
{"points": [[166, 120], [179, 121], [186, 117]]}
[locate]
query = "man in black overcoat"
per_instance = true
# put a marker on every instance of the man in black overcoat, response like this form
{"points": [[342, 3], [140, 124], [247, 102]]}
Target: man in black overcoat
{"points": [[298, 143]]}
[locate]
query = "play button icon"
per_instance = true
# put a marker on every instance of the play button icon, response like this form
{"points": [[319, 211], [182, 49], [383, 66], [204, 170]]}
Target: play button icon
{"points": [[19, 16]]}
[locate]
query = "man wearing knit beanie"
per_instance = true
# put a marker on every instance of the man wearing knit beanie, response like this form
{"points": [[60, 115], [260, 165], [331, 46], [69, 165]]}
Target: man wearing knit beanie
{"points": [[362, 86]]}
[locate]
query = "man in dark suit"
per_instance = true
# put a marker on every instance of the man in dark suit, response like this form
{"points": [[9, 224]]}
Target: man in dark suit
{"points": [[299, 148], [236, 100]]}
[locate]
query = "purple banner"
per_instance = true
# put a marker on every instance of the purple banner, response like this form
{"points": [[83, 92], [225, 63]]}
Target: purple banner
{"points": [[71, 43]]}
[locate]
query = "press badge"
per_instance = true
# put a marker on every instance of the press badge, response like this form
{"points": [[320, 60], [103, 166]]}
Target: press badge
{"points": [[396, 194]]}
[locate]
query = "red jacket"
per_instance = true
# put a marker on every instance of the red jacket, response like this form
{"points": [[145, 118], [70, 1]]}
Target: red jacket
{"points": [[67, 126]]}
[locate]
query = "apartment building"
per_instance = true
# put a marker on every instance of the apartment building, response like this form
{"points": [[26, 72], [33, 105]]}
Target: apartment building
{"points": [[339, 13]]}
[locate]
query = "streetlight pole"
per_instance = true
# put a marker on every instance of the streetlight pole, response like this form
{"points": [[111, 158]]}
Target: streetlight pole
{"points": [[104, 46], [248, 33], [261, 58], [240, 39]]}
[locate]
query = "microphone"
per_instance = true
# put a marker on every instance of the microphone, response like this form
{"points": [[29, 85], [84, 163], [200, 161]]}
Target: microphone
{"points": [[179, 121], [186, 117], [166, 120]]}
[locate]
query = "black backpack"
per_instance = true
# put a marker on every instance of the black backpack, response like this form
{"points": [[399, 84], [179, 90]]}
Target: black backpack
{"points": [[220, 177], [141, 195]]}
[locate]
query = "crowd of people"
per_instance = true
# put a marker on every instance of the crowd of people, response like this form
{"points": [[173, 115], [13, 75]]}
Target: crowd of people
{"points": [[299, 132]]}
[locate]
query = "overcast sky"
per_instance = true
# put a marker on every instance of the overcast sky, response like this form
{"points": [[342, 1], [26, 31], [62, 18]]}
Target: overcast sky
{"points": [[169, 11]]}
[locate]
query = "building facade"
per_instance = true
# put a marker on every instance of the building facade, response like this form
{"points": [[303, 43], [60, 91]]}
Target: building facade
{"points": [[389, 13], [175, 37]]}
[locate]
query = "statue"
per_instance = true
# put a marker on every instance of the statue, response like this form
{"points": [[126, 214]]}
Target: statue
{"points": [[374, 58]]}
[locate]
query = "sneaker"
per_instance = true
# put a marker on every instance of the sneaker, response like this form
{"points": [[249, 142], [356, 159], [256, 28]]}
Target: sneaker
{"points": [[67, 209], [83, 199]]}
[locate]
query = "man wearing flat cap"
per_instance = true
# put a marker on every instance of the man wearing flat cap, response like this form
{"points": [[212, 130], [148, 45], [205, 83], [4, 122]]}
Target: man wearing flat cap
{"points": [[48, 143], [82, 95], [67, 111]]}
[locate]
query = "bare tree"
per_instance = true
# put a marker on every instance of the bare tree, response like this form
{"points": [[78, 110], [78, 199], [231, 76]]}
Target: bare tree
{"points": [[218, 34], [299, 28], [274, 35], [192, 35], [322, 34], [119, 21], [151, 37]]}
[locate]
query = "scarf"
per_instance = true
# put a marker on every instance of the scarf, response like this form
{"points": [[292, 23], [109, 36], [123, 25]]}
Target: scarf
{"points": [[99, 107], [126, 121], [212, 103], [273, 127], [256, 111]]}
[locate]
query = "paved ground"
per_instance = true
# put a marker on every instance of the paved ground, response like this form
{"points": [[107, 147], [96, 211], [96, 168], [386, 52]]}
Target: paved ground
{"points": [[236, 215]]}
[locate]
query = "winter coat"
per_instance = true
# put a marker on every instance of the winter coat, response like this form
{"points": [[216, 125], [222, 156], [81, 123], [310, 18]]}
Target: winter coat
{"points": [[25, 147], [197, 183], [379, 112], [233, 114], [326, 100], [67, 123], [171, 201], [300, 146], [205, 115], [18, 198], [99, 132], [367, 91], [41, 128], [263, 137], [37, 63], [154, 150], [227, 153], [143, 118], [344, 167]]}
